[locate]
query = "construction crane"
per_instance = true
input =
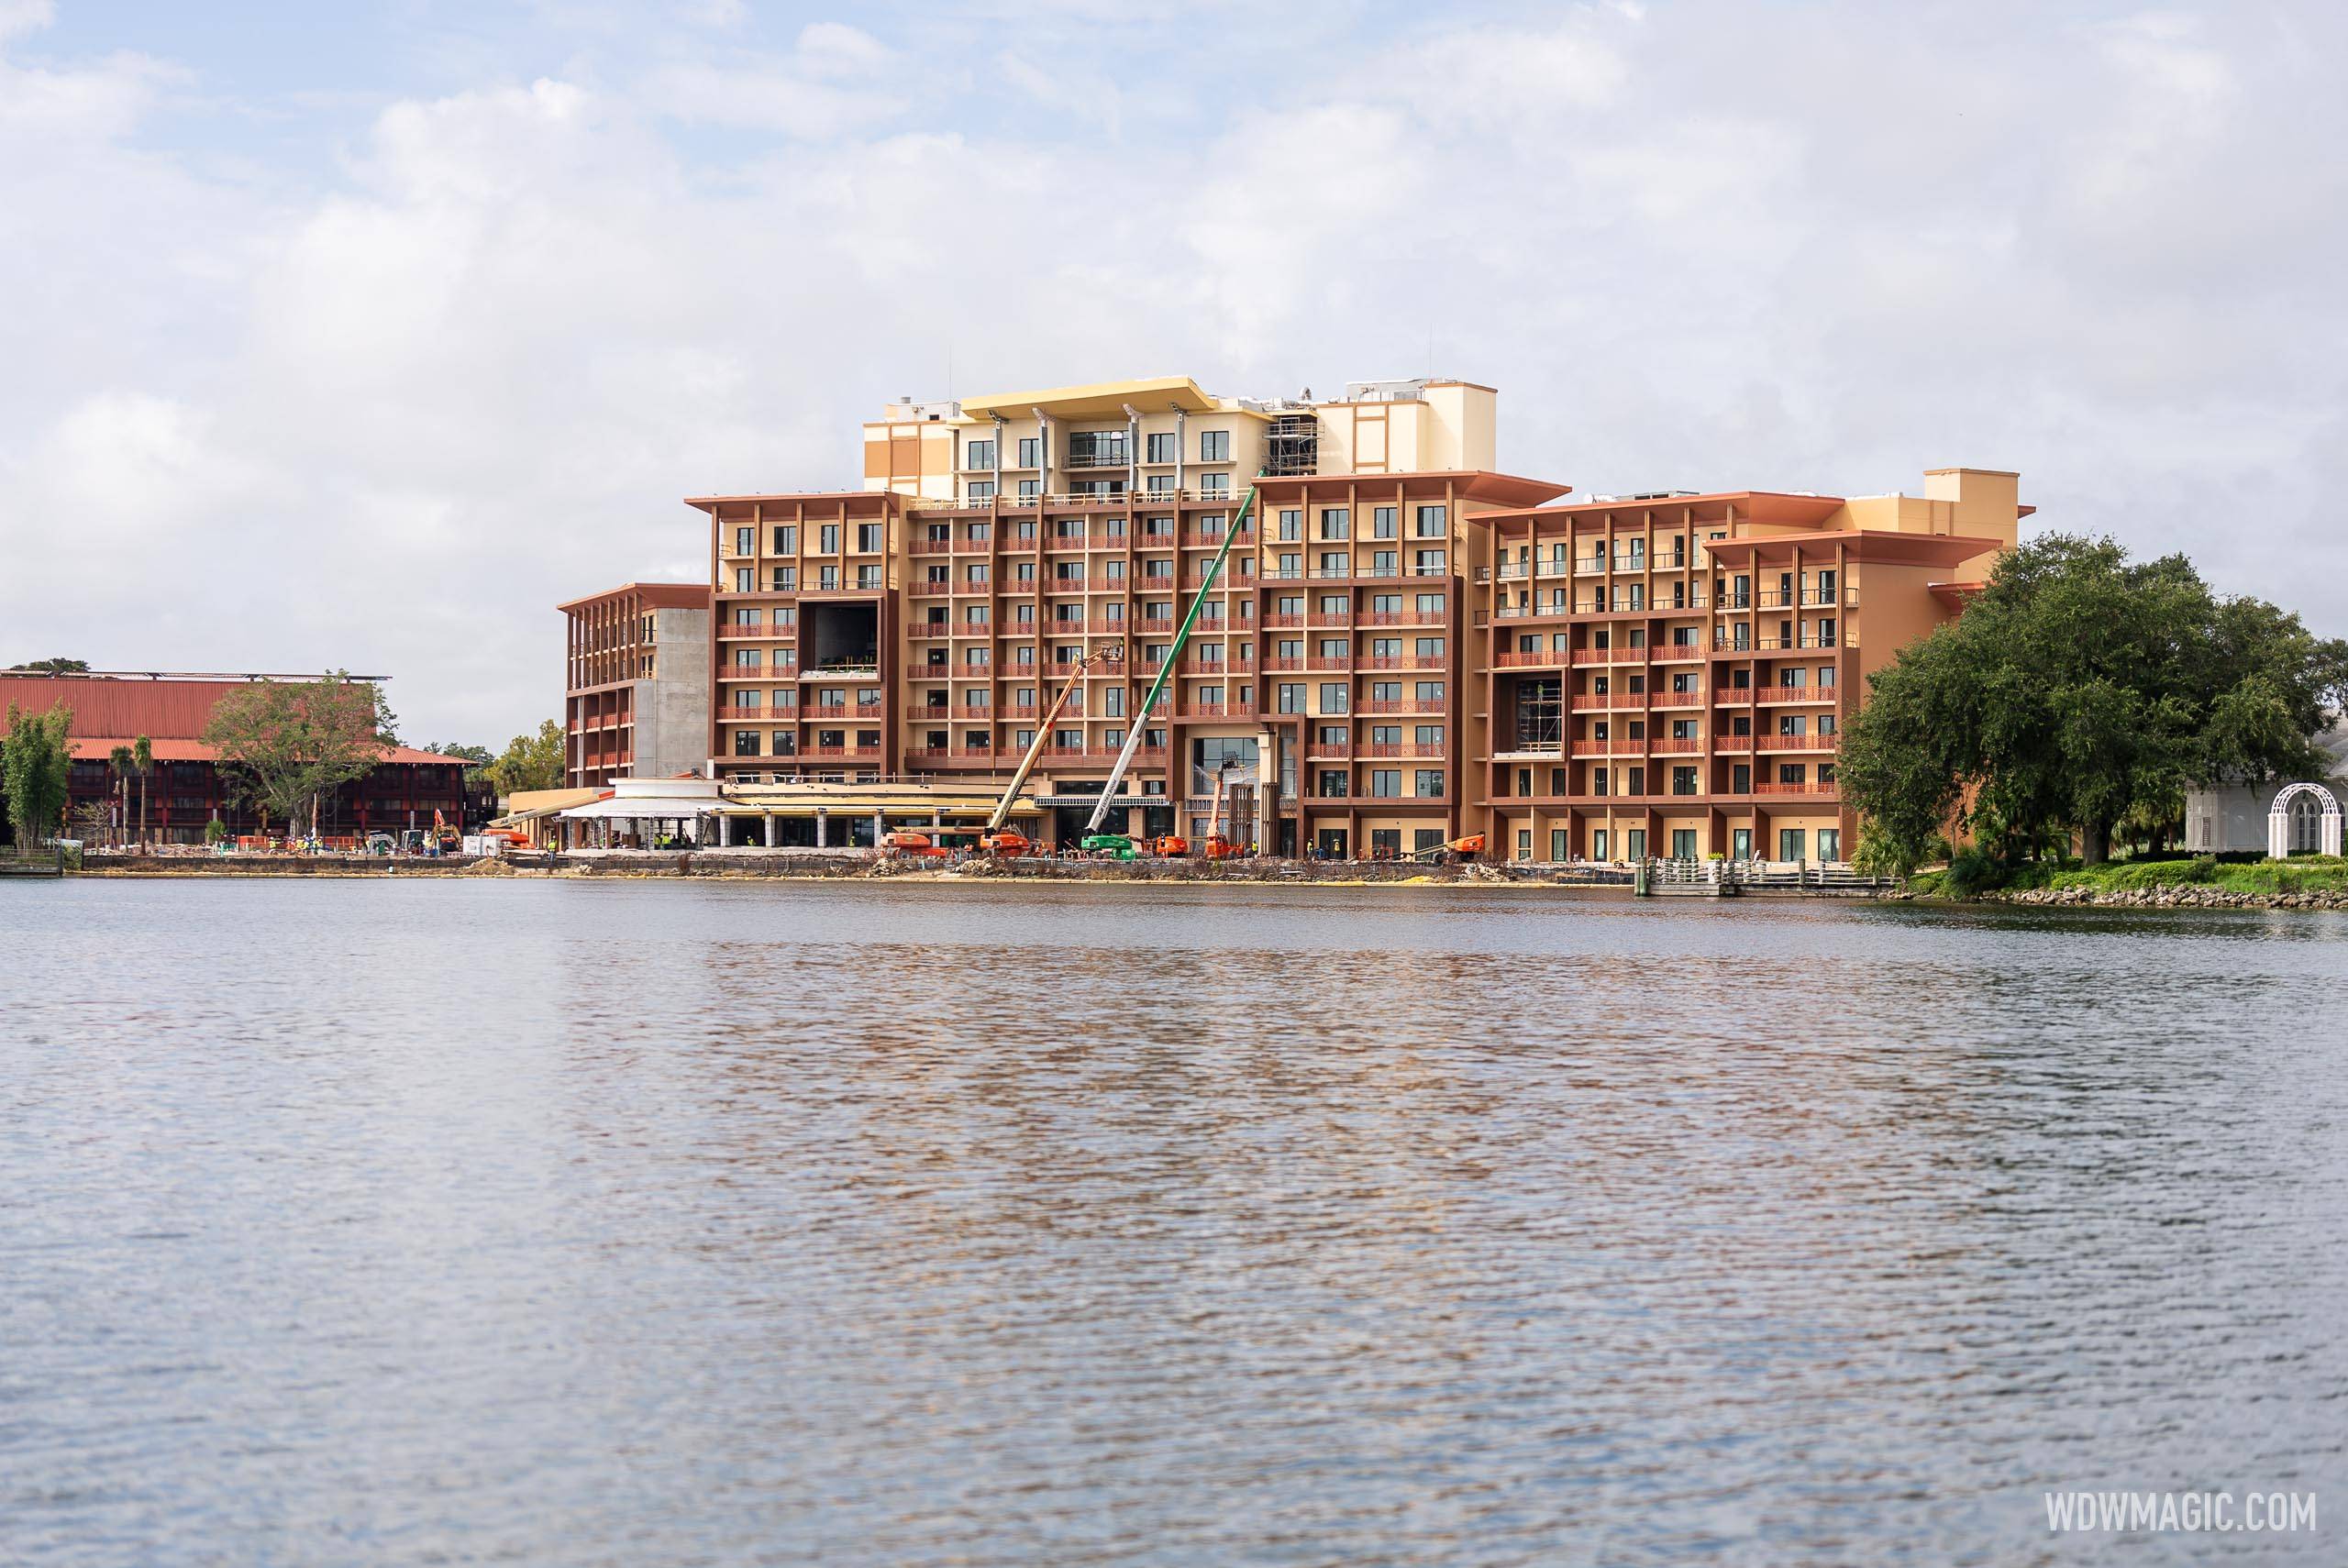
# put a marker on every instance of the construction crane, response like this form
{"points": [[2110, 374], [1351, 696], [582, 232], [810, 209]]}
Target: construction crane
{"points": [[994, 839], [1173, 656]]}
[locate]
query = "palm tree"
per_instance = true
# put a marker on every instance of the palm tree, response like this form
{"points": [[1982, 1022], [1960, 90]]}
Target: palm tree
{"points": [[143, 757], [122, 762]]}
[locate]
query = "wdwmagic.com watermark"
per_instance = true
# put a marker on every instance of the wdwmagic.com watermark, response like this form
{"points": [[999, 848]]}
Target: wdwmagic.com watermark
{"points": [[2182, 1513]]}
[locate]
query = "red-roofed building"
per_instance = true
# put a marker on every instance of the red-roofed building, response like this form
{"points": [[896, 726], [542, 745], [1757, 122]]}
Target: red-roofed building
{"points": [[186, 790]]}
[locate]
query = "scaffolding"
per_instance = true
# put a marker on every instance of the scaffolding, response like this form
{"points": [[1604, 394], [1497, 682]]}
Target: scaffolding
{"points": [[1293, 445]]}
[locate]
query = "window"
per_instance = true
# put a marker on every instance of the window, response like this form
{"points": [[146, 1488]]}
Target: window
{"points": [[1028, 490], [1792, 844], [1429, 692], [1333, 695], [1428, 524], [1829, 844], [1381, 522], [828, 539], [1683, 844], [746, 541], [1160, 447], [978, 454], [1158, 482], [1336, 523], [1214, 446], [785, 578], [1031, 451], [1291, 698], [745, 579], [1426, 563], [1385, 783], [746, 743], [1333, 784], [1430, 783], [1292, 523], [867, 538], [1683, 780], [786, 539]]}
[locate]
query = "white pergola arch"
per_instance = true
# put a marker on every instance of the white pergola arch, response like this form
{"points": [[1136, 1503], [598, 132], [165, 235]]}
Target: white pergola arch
{"points": [[2278, 819]]}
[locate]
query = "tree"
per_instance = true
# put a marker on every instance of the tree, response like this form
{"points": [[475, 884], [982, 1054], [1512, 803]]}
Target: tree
{"points": [[284, 743], [36, 763], [53, 667], [529, 762], [121, 760], [2079, 691], [142, 761], [480, 757]]}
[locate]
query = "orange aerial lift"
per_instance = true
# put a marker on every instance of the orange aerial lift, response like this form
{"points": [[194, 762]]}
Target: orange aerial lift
{"points": [[1218, 847], [998, 840]]}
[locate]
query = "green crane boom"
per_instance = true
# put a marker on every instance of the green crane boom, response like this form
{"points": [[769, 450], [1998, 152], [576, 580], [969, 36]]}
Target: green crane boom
{"points": [[1166, 671]]}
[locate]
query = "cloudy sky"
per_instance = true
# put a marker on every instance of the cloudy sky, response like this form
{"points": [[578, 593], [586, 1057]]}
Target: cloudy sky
{"points": [[348, 335]]}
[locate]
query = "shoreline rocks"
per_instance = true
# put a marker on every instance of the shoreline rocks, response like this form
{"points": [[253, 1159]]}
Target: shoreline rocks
{"points": [[2183, 896]]}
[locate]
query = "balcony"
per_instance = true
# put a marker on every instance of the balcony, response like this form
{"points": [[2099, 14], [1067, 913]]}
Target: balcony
{"points": [[758, 629], [1800, 743], [1114, 455], [928, 546], [1809, 788], [1329, 662], [847, 751], [1403, 749], [1529, 612], [1204, 709], [1402, 618], [1604, 700], [1403, 661], [1674, 747], [1535, 658], [1589, 565], [1401, 705], [1794, 694], [1286, 618]]}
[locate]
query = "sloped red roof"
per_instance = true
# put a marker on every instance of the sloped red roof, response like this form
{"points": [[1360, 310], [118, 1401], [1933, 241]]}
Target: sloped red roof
{"points": [[111, 711], [97, 748]]}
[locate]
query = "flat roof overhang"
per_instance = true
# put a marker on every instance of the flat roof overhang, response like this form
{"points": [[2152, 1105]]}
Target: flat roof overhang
{"points": [[1467, 484], [1880, 545], [1751, 505], [1099, 400]]}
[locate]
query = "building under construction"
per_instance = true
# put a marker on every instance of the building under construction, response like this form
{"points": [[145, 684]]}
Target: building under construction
{"points": [[1344, 603]]}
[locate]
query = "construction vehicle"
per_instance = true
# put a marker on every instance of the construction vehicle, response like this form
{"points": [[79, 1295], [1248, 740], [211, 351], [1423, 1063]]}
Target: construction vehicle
{"points": [[1466, 848], [1169, 846], [1108, 846], [1218, 847], [933, 844], [993, 838], [1173, 658]]}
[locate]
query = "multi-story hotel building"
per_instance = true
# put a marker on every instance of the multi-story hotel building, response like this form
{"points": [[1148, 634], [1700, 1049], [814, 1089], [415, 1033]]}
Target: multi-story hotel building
{"points": [[1405, 645], [635, 683]]}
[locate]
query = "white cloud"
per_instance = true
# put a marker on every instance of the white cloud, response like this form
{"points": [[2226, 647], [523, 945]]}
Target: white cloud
{"points": [[386, 414]]}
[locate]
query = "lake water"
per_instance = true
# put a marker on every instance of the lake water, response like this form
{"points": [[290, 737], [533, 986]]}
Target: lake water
{"points": [[663, 1223]]}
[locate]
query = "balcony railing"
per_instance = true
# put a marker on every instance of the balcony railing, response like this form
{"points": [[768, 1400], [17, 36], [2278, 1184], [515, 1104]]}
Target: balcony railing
{"points": [[761, 629], [1800, 743], [1402, 749], [1601, 700], [1793, 693], [1401, 705], [1519, 658], [1811, 788]]}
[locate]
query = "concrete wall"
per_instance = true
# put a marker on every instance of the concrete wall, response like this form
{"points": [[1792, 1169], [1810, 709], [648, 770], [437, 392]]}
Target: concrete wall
{"points": [[672, 708]]}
